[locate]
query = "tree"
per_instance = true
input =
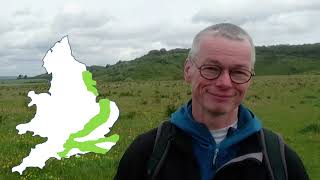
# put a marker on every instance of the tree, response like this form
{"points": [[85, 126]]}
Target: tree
{"points": [[119, 62], [163, 50]]}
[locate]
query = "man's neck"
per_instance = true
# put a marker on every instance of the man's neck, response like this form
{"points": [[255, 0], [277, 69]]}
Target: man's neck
{"points": [[215, 121]]}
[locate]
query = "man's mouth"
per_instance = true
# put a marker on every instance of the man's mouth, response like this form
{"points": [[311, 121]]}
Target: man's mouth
{"points": [[221, 96]]}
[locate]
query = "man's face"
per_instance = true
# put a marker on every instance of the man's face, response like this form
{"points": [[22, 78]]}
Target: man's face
{"points": [[221, 95]]}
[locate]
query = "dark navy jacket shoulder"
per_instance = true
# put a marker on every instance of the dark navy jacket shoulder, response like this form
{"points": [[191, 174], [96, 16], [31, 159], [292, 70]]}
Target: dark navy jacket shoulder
{"points": [[180, 162], [194, 155]]}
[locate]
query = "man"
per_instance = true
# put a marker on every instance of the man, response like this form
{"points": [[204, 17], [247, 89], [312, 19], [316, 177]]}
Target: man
{"points": [[215, 137]]}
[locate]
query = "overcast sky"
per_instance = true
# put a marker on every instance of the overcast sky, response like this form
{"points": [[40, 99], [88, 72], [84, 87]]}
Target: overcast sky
{"points": [[103, 32]]}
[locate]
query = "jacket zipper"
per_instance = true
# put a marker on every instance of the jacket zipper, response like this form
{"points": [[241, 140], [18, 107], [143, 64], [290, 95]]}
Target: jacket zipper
{"points": [[216, 151]]}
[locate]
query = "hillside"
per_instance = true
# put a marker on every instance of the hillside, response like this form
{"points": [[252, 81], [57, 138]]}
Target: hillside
{"points": [[7, 77], [168, 65], [288, 59]]}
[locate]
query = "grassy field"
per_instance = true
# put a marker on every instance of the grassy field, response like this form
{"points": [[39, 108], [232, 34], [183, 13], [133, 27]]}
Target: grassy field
{"points": [[286, 104]]}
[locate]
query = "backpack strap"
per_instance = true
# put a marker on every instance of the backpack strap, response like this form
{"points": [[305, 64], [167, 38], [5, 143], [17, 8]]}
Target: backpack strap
{"points": [[165, 134], [273, 150]]}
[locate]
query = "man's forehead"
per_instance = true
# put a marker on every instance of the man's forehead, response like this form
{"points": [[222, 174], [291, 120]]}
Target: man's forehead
{"points": [[218, 40], [223, 51], [225, 46]]}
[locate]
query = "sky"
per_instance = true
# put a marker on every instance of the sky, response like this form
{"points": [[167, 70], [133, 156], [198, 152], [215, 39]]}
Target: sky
{"points": [[104, 32]]}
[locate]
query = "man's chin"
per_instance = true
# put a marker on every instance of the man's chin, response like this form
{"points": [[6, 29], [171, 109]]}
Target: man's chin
{"points": [[220, 109]]}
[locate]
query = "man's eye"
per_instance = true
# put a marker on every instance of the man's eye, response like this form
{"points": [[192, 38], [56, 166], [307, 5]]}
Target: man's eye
{"points": [[240, 72], [211, 68]]}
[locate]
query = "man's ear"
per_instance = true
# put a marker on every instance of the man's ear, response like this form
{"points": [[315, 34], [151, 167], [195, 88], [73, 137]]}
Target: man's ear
{"points": [[187, 70]]}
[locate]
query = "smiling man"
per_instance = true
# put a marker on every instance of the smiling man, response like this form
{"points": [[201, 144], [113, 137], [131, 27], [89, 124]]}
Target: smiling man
{"points": [[213, 136], [219, 71]]}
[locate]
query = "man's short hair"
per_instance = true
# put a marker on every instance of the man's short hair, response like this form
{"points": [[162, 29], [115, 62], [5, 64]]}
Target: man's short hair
{"points": [[226, 30]]}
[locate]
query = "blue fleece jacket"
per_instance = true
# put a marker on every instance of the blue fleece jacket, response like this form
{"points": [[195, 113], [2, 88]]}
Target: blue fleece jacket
{"points": [[209, 155]]}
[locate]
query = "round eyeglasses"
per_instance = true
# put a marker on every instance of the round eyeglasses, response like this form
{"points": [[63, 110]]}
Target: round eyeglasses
{"points": [[211, 72]]}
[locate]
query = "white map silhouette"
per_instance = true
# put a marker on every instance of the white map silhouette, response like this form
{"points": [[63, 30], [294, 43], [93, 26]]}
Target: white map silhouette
{"points": [[65, 110]]}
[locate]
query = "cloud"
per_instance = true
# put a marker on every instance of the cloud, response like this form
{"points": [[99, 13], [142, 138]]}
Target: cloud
{"points": [[268, 22], [4, 28], [111, 31], [240, 12], [22, 12], [292, 27], [78, 22]]}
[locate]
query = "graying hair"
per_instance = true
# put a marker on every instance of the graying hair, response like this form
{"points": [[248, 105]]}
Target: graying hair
{"points": [[227, 30]]}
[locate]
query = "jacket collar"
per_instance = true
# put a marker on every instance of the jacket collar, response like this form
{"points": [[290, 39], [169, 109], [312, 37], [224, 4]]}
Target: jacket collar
{"points": [[248, 124]]}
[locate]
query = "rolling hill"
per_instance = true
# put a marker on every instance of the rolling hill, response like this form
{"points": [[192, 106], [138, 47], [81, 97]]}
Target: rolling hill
{"points": [[168, 65]]}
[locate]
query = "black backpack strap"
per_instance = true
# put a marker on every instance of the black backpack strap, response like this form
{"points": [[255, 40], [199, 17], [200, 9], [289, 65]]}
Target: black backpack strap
{"points": [[273, 150], [165, 134]]}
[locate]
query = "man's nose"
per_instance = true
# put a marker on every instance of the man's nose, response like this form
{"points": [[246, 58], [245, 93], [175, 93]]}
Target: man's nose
{"points": [[224, 80]]}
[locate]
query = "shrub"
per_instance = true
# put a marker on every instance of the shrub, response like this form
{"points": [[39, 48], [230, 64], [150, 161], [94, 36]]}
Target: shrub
{"points": [[157, 100], [126, 94], [310, 97], [164, 96], [130, 115], [312, 128], [170, 109], [2, 118], [105, 93], [144, 102], [127, 115]]}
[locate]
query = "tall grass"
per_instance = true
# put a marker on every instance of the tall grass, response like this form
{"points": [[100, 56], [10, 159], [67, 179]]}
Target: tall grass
{"points": [[276, 100]]}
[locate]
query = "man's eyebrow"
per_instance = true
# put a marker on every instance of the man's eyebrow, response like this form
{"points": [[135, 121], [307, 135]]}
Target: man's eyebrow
{"points": [[239, 66], [214, 62], [211, 61]]}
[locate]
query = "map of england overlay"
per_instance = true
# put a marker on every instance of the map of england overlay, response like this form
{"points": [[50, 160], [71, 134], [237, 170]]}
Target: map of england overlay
{"points": [[69, 116]]}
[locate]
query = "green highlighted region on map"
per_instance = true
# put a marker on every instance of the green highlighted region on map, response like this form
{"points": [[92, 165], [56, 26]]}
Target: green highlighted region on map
{"points": [[90, 146], [90, 83], [95, 122]]}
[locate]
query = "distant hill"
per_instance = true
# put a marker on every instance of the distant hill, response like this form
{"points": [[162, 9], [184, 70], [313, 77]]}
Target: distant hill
{"points": [[168, 65], [288, 59], [7, 77]]}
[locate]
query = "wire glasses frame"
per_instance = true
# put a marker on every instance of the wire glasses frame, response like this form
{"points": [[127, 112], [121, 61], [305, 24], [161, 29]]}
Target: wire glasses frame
{"points": [[211, 72]]}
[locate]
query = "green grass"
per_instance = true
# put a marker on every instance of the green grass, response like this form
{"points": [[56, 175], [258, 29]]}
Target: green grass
{"points": [[286, 104]]}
